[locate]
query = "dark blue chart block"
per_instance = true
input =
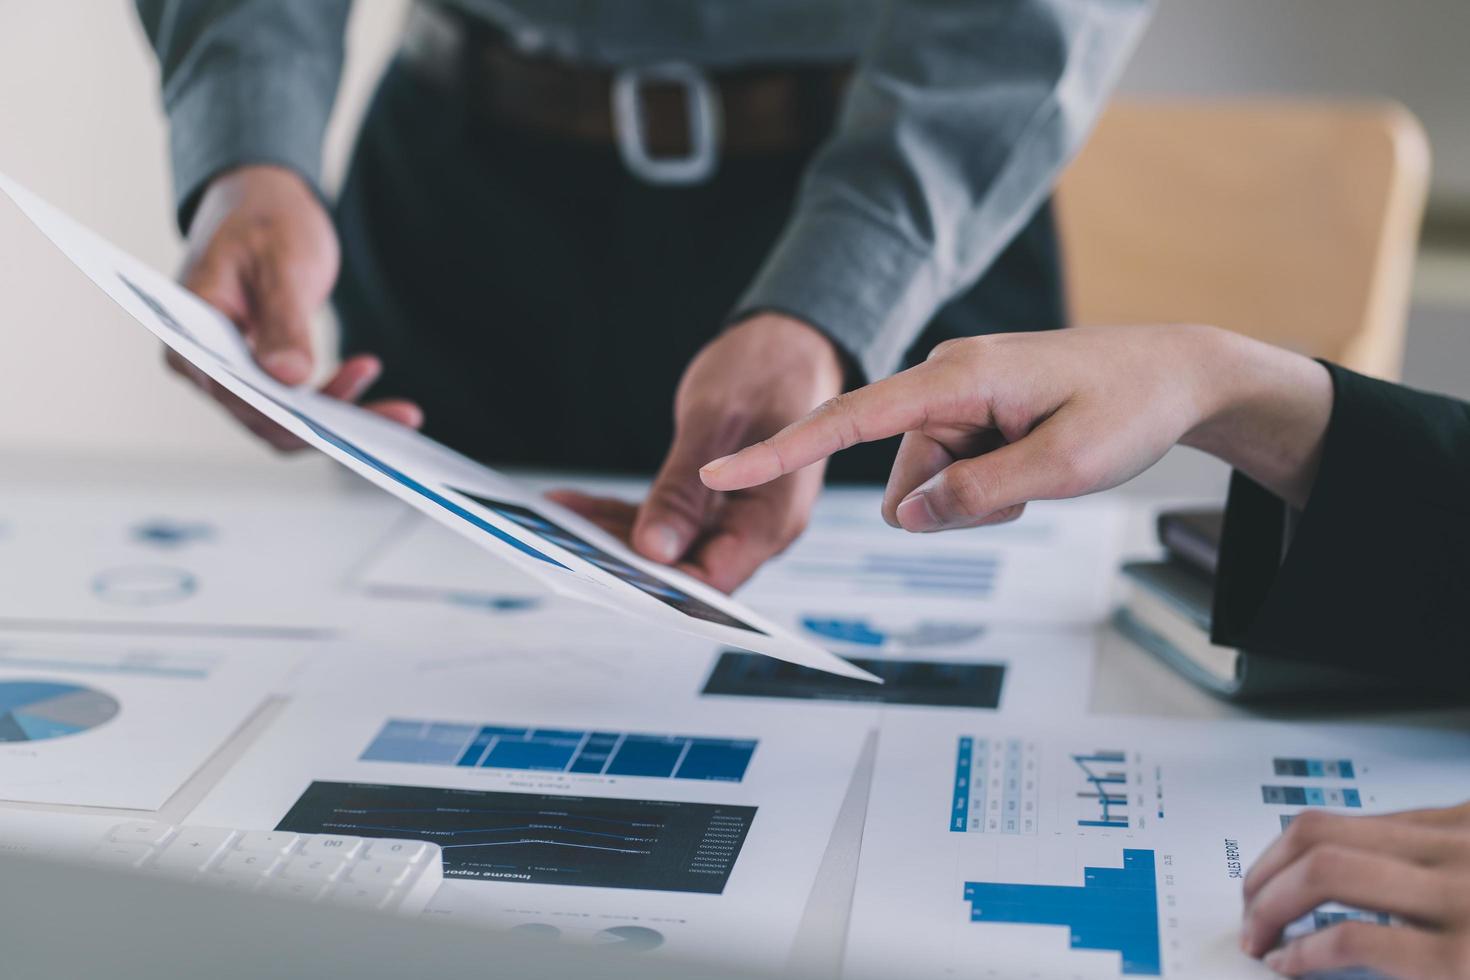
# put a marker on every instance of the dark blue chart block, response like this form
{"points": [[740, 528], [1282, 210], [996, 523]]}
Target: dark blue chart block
{"points": [[595, 752], [476, 750], [646, 755], [722, 761], [1115, 909], [544, 755]]}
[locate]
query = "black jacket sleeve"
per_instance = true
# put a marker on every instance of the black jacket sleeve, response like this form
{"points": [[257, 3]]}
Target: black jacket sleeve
{"points": [[1375, 575]]}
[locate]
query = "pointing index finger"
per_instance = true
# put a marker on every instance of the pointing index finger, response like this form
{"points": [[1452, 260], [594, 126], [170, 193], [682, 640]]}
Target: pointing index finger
{"points": [[882, 409]]}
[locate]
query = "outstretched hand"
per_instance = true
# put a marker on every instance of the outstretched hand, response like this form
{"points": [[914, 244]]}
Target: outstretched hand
{"points": [[990, 423]]}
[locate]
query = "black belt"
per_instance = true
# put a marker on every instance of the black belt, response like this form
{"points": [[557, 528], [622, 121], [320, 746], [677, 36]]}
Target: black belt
{"points": [[671, 121]]}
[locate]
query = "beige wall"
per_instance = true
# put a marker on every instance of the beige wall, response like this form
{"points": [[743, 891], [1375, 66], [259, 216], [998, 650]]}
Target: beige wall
{"points": [[1410, 50], [79, 123]]}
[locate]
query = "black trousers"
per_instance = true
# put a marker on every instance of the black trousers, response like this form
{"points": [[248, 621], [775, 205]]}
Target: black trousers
{"points": [[541, 303]]}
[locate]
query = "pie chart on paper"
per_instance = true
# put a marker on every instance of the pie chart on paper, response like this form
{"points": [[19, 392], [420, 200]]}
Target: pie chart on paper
{"points": [[34, 711]]}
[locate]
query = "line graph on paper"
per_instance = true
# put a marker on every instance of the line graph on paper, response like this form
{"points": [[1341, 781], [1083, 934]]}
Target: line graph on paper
{"points": [[538, 837], [1115, 789]]}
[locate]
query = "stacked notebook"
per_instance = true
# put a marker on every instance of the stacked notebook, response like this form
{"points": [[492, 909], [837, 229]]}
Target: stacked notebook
{"points": [[1167, 611]]}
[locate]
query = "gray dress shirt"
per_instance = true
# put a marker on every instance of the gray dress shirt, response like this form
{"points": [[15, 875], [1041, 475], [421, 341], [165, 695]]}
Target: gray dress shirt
{"points": [[958, 121]]}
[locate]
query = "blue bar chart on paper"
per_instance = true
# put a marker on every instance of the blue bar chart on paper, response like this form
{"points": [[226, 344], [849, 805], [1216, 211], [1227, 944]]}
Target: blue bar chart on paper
{"points": [[583, 752], [1113, 909]]}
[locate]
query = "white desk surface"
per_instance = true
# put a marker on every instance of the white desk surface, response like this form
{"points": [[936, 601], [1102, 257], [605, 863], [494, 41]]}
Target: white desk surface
{"points": [[1128, 681]]}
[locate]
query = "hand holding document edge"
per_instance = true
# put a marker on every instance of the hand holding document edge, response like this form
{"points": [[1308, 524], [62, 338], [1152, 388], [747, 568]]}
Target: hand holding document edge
{"points": [[541, 536]]}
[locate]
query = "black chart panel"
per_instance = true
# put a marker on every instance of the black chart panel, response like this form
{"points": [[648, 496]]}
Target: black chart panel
{"points": [[540, 838], [935, 683]]}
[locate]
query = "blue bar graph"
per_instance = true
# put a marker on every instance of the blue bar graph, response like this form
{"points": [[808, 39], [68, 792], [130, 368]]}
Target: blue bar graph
{"points": [[561, 750], [1108, 785], [1114, 909]]}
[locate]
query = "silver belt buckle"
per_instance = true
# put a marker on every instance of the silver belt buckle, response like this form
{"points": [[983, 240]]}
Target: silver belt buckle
{"points": [[702, 107]]}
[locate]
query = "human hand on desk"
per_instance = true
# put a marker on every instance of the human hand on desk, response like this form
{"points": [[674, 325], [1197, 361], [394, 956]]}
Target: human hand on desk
{"points": [[748, 382], [263, 252], [1414, 865], [992, 422]]}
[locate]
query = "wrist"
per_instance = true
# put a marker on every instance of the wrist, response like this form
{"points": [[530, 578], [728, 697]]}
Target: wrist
{"points": [[259, 184], [793, 343], [1264, 410]]}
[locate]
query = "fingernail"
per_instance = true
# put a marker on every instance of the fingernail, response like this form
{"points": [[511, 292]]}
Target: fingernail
{"points": [[1275, 959], [289, 366], [915, 514], [716, 464], [663, 543]]}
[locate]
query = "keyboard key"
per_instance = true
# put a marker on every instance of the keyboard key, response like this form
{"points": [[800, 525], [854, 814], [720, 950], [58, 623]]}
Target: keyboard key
{"points": [[146, 832], [266, 842], [354, 895], [122, 855], [182, 861], [320, 846], [307, 891], [247, 866], [303, 868], [396, 875], [383, 874], [193, 849], [396, 850]]}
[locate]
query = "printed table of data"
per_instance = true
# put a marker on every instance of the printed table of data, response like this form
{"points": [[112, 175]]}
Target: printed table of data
{"points": [[996, 786]]}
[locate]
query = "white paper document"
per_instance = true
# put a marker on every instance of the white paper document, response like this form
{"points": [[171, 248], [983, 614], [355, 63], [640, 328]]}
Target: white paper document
{"points": [[182, 564], [1103, 848], [693, 833], [111, 722], [851, 582], [852, 578], [543, 540], [422, 560]]}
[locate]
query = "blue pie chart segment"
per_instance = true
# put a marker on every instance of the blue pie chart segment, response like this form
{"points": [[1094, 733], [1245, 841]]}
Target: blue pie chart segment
{"points": [[856, 631], [34, 711]]}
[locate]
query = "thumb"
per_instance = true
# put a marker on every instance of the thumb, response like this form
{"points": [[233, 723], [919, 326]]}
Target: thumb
{"points": [[967, 492], [678, 505], [280, 322], [218, 279]]}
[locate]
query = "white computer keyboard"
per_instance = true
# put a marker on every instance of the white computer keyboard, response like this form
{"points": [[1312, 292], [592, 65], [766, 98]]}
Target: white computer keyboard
{"points": [[375, 873]]}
